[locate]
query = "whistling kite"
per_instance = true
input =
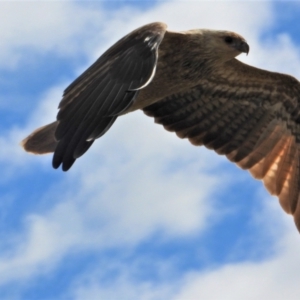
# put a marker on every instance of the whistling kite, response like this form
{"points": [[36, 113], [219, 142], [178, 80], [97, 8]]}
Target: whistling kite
{"points": [[191, 83]]}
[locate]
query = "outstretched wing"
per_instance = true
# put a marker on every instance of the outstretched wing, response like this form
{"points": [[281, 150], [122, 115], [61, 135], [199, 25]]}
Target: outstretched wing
{"points": [[94, 100], [249, 115]]}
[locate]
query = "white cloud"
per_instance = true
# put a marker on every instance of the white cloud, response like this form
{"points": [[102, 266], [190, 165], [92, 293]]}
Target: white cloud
{"points": [[12, 155], [283, 55], [274, 278], [128, 196], [62, 27]]}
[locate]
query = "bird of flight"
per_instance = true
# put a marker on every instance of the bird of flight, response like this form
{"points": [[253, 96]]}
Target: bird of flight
{"points": [[191, 83]]}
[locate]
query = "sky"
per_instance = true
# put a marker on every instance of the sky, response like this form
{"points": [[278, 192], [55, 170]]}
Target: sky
{"points": [[143, 214]]}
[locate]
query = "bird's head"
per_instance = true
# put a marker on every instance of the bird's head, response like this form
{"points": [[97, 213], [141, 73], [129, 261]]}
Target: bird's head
{"points": [[224, 45]]}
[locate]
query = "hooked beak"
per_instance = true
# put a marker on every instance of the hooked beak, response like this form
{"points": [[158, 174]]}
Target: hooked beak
{"points": [[244, 47]]}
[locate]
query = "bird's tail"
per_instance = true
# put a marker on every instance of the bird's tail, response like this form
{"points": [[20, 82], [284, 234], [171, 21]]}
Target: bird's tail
{"points": [[42, 140]]}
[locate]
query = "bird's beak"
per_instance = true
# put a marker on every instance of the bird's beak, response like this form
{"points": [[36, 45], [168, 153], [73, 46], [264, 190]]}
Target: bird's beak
{"points": [[244, 47]]}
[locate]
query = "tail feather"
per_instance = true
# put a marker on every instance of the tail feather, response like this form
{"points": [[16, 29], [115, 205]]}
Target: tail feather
{"points": [[42, 140]]}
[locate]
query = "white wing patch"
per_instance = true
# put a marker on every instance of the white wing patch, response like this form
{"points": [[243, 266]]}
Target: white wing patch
{"points": [[147, 82]]}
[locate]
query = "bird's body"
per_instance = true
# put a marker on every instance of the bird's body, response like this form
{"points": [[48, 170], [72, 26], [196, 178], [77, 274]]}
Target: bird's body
{"points": [[191, 83]]}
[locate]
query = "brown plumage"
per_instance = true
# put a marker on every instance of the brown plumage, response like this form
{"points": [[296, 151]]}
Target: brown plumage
{"points": [[191, 83]]}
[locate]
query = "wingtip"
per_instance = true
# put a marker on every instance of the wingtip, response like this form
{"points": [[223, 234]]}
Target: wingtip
{"points": [[297, 223], [65, 163], [296, 216]]}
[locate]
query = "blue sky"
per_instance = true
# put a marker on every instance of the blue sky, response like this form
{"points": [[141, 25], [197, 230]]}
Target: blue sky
{"points": [[143, 215]]}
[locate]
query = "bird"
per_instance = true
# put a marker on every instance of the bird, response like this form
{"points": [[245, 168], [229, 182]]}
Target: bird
{"points": [[191, 83]]}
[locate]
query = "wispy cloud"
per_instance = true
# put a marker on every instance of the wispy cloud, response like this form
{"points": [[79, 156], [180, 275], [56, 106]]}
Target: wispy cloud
{"points": [[62, 28]]}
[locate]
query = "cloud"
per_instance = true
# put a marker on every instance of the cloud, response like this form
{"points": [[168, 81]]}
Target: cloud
{"points": [[129, 196], [61, 28], [12, 155], [276, 277]]}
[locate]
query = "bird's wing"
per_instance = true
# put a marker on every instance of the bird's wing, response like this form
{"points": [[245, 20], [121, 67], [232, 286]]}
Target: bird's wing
{"points": [[249, 115], [94, 100]]}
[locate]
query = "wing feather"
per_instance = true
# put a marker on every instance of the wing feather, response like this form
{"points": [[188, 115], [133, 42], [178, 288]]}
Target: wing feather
{"points": [[93, 101], [249, 116]]}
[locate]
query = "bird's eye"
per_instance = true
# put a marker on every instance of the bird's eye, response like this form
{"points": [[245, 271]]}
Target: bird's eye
{"points": [[228, 40]]}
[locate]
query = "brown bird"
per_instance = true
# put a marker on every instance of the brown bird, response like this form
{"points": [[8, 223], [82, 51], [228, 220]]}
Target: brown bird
{"points": [[191, 83]]}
